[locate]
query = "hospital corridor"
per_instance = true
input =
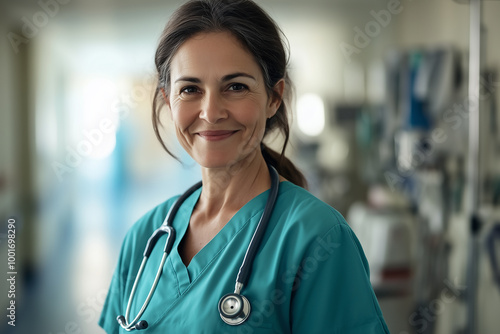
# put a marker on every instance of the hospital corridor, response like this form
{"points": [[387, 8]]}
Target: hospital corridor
{"points": [[394, 123]]}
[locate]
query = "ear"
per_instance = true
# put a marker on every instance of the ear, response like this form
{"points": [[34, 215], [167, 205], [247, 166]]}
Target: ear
{"points": [[165, 98], [276, 98]]}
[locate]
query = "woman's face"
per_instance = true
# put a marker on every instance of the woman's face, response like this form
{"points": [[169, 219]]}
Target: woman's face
{"points": [[218, 100]]}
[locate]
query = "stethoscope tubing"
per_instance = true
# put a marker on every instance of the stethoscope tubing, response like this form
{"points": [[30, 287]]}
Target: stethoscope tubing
{"points": [[150, 294], [246, 265], [166, 227]]}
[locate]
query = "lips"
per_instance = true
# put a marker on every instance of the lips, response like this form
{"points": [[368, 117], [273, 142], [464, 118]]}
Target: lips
{"points": [[216, 135]]}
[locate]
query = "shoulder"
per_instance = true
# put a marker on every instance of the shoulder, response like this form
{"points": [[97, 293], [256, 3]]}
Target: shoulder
{"points": [[142, 229], [310, 225], [154, 217], [302, 207], [306, 220]]}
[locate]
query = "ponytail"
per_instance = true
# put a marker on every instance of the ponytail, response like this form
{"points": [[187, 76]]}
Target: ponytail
{"points": [[284, 166]]}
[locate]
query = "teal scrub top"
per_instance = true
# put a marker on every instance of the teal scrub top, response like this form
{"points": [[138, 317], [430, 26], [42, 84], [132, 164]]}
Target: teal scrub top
{"points": [[310, 274]]}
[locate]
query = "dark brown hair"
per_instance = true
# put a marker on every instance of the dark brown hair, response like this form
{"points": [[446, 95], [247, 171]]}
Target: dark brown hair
{"points": [[258, 33]]}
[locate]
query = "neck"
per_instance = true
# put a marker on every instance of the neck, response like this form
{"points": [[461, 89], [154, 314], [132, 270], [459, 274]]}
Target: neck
{"points": [[228, 189]]}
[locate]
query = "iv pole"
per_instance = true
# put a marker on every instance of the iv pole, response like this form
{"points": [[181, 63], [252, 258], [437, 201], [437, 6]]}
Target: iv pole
{"points": [[473, 164]]}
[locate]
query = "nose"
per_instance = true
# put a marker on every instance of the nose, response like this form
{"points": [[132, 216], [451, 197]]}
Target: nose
{"points": [[213, 108]]}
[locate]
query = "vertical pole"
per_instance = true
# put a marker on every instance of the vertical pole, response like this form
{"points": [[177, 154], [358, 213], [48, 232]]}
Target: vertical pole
{"points": [[473, 162]]}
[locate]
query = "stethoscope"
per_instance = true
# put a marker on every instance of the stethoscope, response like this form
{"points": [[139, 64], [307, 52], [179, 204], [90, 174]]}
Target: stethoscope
{"points": [[234, 308]]}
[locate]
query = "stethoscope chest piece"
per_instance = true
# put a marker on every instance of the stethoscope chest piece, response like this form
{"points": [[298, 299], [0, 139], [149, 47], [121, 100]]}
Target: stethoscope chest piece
{"points": [[234, 309]]}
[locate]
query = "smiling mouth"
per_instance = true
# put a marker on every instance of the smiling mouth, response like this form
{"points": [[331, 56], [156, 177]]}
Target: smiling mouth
{"points": [[216, 135]]}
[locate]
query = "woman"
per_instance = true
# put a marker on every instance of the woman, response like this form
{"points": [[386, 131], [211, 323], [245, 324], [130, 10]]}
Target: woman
{"points": [[223, 79]]}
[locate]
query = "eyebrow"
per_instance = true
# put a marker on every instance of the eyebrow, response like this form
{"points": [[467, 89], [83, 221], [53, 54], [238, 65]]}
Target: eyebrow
{"points": [[236, 75], [225, 78]]}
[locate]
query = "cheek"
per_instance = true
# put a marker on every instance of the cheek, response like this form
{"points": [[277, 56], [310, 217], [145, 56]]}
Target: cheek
{"points": [[252, 114], [181, 117]]}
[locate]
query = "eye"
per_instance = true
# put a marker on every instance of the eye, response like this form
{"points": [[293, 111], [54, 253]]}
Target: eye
{"points": [[189, 90], [237, 87]]}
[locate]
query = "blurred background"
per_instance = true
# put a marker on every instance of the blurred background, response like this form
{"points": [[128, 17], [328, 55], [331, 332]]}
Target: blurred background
{"points": [[380, 128]]}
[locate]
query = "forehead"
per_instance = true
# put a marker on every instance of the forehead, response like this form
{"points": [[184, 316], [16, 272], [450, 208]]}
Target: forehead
{"points": [[214, 53]]}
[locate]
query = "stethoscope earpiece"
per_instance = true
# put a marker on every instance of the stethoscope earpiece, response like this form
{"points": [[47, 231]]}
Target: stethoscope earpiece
{"points": [[234, 308], [143, 324], [121, 320]]}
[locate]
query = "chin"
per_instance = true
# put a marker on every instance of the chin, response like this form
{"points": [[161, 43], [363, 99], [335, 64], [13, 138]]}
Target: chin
{"points": [[221, 158], [215, 160]]}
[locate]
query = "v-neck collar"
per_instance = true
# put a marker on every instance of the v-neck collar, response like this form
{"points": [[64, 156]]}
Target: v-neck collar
{"points": [[201, 260]]}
